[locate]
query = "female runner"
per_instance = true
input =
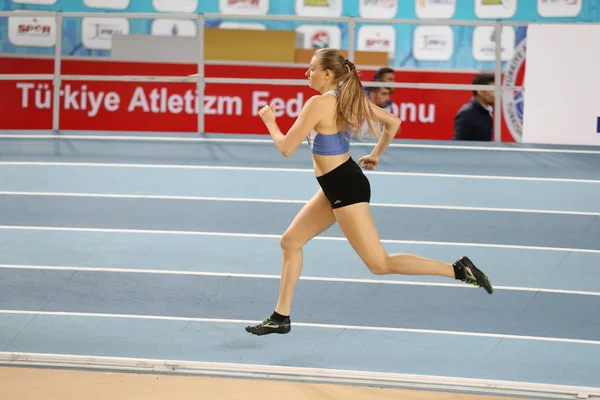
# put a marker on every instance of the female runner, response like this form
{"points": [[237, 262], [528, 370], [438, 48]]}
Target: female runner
{"points": [[328, 121]]}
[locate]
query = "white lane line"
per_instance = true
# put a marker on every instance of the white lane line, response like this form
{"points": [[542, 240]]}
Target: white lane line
{"points": [[270, 143], [304, 170], [272, 236], [276, 277], [287, 201], [304, 324]]}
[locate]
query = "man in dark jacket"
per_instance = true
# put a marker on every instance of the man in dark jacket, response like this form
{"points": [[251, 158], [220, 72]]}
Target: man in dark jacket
{"points": [[474, 120]]}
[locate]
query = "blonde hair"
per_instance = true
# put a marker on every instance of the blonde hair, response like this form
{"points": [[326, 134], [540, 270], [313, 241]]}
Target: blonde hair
{"points": [[352, 108]]}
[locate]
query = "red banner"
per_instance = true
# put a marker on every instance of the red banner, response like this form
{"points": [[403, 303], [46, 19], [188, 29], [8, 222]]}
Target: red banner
{"points": [[228, 108]]}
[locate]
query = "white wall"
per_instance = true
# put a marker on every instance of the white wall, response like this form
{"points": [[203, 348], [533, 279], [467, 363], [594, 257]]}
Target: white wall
{"points": [[562, 85]]}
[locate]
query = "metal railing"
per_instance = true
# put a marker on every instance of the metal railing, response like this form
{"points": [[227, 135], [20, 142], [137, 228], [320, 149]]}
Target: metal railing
{"points": [[202, 80]]}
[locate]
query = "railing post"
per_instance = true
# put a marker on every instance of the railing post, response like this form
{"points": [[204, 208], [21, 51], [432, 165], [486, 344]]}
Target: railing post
{"points": [[57, 82], [200, 82], [351, 39], [498, 82]]}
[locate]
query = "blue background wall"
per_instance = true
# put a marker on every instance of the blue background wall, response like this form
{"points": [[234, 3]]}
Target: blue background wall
{"points": [[462, 57]]}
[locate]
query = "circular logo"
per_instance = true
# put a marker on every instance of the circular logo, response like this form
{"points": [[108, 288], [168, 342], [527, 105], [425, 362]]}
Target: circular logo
{"points": [[513, 102], [320, 39]]}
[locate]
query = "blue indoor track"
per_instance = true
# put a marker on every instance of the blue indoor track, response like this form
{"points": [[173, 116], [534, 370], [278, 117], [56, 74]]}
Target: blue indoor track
{"points": [[166, 249]]}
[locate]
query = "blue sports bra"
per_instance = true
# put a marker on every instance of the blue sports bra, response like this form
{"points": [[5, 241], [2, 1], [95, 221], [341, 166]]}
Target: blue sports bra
{"points": [[329, 145]]}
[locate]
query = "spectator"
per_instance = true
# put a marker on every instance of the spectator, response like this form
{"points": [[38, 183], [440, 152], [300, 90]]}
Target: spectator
{"points": [[474, 120], [380, 96], [384, 74]]}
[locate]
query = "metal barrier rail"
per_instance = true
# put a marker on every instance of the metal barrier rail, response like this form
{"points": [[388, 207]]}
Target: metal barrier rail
{"points": [[251, 81], [201, 80]]}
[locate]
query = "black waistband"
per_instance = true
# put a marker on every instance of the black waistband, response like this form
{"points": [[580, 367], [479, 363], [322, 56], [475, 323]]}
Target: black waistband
{"points": [[349, 162]]}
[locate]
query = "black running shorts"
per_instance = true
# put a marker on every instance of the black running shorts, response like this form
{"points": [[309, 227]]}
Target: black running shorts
{"points": [[345, 185]]}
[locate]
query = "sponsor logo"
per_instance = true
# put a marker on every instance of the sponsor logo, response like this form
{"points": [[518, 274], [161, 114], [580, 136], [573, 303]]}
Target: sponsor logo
{"points": [[242, 3], [32, 31], [503, 3], [319, 8], [559, 8], [34, 28], [174, 27], [495, 8], [320, 36], [435, 8], [377, 42], [433, 43], [250, 7], [186, 6], [513, 102], [378, 8], [380, 3], [484, 43], [377, 38], [97, 33], [112, 4], [320, 40]]}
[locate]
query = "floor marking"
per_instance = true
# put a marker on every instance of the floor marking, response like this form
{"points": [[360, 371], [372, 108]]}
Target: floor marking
{"points": [[273, 236], [270, 142], [286, 201], [303, 324], [310, 374], [304, 170], [276, 277]]}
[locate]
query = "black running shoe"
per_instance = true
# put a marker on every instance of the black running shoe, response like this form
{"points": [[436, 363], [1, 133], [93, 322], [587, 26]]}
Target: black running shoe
{"points": [[474, 276], [270, 326]]}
